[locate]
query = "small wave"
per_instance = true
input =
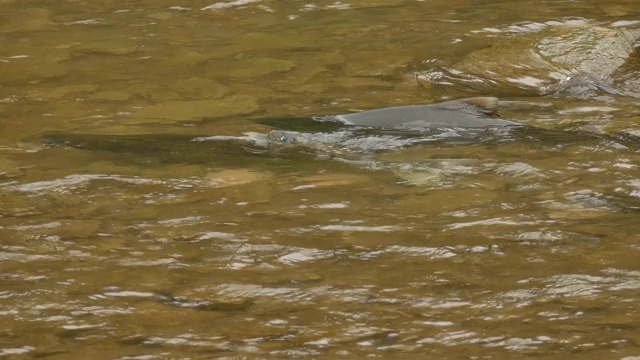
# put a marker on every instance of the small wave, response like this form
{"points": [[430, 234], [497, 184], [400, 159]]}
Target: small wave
{"points": [[519, 169], [385, 228], [305, 255], [531, 27], [231, 4], [495, 221], [72, 180]]}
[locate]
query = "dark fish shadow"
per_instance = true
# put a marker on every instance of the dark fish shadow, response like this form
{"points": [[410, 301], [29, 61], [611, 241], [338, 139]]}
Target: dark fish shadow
{"points": [[301, 124], [227, 150], [159, 148]]}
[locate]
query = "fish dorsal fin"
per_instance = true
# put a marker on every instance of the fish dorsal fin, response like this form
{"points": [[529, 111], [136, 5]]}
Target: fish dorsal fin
{"points": [[480, 106]]}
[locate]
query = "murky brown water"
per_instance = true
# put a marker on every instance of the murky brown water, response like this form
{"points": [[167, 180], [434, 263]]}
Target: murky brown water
{"points": [[153, 246]]}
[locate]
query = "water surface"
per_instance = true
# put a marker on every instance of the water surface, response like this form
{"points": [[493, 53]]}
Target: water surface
{"points": [[136, 242]]}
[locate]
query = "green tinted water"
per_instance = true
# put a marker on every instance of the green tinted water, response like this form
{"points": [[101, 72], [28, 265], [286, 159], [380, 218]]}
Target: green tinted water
{"points": [[135, 242]]}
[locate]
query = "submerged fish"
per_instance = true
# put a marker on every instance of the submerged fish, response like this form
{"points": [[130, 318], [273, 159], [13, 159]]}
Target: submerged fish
{"points": [[363, 139], [465, 120], [462, 121], [398, 127]]}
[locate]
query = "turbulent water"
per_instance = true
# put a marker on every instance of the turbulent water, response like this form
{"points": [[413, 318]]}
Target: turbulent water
{"points": [[166, 195]]}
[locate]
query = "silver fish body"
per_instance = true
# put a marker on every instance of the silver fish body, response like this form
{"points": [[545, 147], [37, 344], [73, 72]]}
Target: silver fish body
{"points": [[475, 112]]}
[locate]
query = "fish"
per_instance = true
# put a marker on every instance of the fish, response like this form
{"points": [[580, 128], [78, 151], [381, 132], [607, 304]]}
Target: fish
{"points": [[401, 126], [455, 122], [475, 112]]}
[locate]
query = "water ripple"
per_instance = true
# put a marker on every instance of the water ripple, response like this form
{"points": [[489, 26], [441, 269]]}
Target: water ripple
{"points": [[357, 228], [496, 221], [71, 180], [305, 255], [16, 351], [230, 4]]}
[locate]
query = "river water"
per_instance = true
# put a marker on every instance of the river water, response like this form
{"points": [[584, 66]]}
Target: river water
{"points": [[136, 242]]}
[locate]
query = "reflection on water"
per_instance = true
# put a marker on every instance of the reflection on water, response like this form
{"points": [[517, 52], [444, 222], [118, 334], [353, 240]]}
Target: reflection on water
{"points": [[165, 195]]}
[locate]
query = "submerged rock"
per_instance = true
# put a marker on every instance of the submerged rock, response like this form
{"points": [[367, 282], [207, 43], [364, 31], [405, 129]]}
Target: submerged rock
{"points": [[589, 49], [563, 53]]}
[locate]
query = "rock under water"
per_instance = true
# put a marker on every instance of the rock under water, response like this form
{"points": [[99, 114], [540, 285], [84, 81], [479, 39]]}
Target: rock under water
{"points": [[574, 59]]}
